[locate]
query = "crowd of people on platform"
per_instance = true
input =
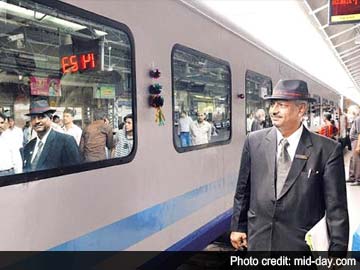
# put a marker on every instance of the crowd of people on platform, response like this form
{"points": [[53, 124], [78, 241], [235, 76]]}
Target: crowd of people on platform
{"points": [[195, 132], [48, 141], [337, 130], [345, 129]]}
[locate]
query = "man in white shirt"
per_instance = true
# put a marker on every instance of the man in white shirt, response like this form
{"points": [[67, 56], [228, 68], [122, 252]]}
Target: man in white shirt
{"points": [[69, 127], [10, 158], [15, 133], [342, 127], [200, 130], [249, 121], [184, 129]]}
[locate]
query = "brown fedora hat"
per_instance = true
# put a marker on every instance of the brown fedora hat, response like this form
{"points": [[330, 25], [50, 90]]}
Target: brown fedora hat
{"points": [[39, 107], [290, 90]]}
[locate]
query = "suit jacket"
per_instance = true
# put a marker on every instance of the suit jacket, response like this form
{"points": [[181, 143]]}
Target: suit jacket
{"points": [[281, 223], [60, 150]]}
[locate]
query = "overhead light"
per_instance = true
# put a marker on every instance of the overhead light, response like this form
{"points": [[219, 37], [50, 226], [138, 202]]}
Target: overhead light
{"points": [[67, 24], [16, 37], [33, 57], [32, 14], [16, 9], [100, 33]]}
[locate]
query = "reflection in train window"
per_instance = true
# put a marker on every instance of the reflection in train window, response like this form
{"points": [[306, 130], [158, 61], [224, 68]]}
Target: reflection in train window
{"points": [[332, 109], [66, 85], [257, 110], [325, 105], [315, 112], [202, 98]]}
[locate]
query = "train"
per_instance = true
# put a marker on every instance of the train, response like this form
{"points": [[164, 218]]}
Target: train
{"points": [[153, 60]]}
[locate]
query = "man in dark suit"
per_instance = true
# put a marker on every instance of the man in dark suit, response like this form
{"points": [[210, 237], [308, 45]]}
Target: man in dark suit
{"points": [[289, 178], [50, 149]]}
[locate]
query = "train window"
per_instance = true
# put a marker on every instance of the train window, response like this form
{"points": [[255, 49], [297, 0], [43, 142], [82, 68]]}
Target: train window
{"points": [[201, 99], [257, 110], [67, 90]]}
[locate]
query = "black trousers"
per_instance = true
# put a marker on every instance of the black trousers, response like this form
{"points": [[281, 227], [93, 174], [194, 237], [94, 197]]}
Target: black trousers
{"points": [[345, 142]]}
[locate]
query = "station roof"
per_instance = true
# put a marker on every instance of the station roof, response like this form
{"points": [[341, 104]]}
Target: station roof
{"points": [[299, 31], [344, 39]]}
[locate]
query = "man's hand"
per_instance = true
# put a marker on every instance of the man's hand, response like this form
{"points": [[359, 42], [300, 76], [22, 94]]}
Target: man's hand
{"points": [[238, 240]]}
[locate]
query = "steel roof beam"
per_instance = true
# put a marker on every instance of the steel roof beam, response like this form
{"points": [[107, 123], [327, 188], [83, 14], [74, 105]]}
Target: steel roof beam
{"points": [[353, 64], [348, 50], [355, 71], [351, 59], [345, 42], [350, 53], [318, 9], [355, 74], [354, 67], [343, 32], [322, 27]]}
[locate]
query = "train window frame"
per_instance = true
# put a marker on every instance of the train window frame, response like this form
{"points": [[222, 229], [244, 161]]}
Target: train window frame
{"points": [[189, 50], [62, 10], [266, 103]]}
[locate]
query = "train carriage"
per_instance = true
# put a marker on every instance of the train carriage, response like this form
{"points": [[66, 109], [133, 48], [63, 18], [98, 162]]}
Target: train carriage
{"points": [[161, 195]]}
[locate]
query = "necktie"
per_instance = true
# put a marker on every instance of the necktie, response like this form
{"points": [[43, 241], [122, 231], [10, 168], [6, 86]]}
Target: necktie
{"points": [[37, 156], [283, 166]]}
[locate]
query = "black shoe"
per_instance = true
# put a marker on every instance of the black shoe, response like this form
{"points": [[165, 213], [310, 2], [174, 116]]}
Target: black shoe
{"points": [[350, 181]]}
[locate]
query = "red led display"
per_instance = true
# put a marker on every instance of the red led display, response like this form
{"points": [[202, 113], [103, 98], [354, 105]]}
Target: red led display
{"points": [[344, 11], [74, 63]]}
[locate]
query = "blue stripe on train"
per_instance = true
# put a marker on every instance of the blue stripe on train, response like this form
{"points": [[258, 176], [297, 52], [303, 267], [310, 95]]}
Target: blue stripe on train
{"points": [[135, 228], [199, 239], [195, 241]]}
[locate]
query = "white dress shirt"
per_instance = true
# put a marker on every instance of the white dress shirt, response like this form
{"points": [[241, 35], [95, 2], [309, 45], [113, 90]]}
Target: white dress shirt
{"points": [[200, 132], [16, 136], [74, 131], [293, 141], [184, 124], [10, 157], [36, 148]]}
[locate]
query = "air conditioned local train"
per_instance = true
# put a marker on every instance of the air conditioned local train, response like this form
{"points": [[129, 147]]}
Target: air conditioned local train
{"points": [[145, 184]]}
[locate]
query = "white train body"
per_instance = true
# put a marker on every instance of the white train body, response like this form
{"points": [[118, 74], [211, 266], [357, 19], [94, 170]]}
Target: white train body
{"points": [[162, 199]]}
